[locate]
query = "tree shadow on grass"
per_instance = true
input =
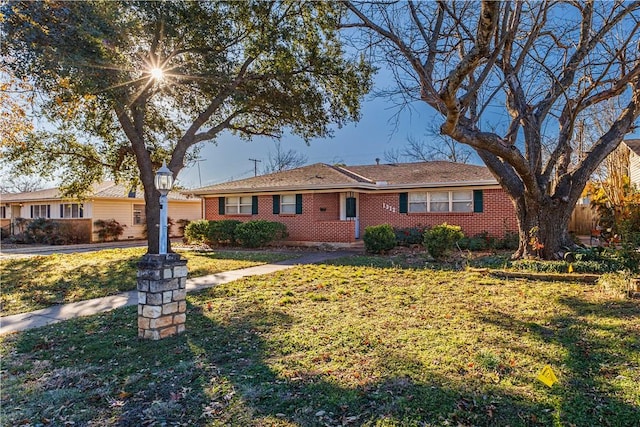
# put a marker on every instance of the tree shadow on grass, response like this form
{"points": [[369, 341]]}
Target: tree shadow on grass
{"points": [[27, 283], [596, 357], [227, 369]]}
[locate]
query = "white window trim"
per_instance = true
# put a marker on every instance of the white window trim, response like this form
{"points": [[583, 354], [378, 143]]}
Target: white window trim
{"points": [[287, 208], [238, 205], [71, 216], [428, 201], [38, 214], [143, 214]]}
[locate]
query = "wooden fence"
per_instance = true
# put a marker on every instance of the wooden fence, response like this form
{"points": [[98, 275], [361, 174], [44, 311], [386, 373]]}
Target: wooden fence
{"points": [[583, 220]]}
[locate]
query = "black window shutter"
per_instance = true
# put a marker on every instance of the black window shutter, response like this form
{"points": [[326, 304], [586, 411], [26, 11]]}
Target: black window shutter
{"points": [[81, 211], [48, 211], [298, 204], [31, 211], [61, 211], [254, 205], [276, 204], [477, 201], [404, 202], [221, 205], [351, 207]]}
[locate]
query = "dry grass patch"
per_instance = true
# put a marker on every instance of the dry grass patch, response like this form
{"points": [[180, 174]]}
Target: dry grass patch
{"points": [[33, 283], [345, 345]]}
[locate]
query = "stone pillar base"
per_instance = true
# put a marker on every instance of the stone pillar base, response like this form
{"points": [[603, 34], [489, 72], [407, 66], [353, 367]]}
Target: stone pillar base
{"points": [[162, 304]]}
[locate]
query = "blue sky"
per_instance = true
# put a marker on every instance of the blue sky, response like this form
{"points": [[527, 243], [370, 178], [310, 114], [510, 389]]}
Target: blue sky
{"points": [[354, 144]]}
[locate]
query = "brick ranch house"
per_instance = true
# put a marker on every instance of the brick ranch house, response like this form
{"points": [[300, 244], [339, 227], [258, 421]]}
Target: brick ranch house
{"points": [[321, 203], [107, 200]]}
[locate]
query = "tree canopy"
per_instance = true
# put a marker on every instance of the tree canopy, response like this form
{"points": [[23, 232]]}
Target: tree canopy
{"points": [[511, 80], [126, 85]]}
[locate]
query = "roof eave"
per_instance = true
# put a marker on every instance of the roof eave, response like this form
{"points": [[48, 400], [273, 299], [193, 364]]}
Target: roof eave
{"points": [[349, 186]]}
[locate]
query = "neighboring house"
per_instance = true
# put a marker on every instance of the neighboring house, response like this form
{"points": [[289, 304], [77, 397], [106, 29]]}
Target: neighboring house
{"points": [[107, 201], [634, 161], [334, 204]]}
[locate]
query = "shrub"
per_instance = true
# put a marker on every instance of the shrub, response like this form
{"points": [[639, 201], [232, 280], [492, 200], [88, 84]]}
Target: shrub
{"points": [[223, 232], [409, 235], [42, 230], [253, 234], [441, 239], [197, 231], [182, 224], [479, 242], [379, 238], [510, 241], [110, 229]]}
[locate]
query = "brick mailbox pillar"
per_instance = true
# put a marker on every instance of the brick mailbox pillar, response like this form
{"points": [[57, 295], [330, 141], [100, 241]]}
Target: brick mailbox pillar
{"points": [[162, 295]]}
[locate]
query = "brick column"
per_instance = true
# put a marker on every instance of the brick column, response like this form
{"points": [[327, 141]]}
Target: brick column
{"points": [[162, 295]]}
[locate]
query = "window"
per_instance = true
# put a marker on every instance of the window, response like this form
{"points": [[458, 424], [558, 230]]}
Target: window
{"points": [[288, 204], [71, 210], [139, 216], [418, 202], [238, 205], [3, 212], [40, 211], [462, 201], [440, 201]]}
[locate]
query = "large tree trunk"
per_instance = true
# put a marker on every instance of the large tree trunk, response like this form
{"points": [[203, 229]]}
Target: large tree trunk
{"points": [[542, 226], [152, 211]]}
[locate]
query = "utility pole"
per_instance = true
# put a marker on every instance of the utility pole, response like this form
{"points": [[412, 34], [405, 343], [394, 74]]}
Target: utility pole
{"points": [[255, 166], [199, 174]]}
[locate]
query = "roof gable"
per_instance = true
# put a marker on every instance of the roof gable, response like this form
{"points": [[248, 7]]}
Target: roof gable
{"points": [[633, 144]]}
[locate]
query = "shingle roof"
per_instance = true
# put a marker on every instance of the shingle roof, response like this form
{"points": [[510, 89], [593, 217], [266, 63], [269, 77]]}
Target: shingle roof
{"points": [[323, 176], [634, 145], [104, 190]]}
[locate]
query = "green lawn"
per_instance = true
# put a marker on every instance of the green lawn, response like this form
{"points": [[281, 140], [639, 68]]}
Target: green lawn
{"points": [[32, 283], [342, 345]]}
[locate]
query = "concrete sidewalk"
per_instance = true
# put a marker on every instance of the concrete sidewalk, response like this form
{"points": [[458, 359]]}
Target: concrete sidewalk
{"points": [[58, 313]]}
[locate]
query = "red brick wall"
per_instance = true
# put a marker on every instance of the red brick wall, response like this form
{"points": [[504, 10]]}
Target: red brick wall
{"points": [[313, 225], [316, 225], [497, 217]]}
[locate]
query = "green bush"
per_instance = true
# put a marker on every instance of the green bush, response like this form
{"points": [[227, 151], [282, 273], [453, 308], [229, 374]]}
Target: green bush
{"points": [[510, 241], [109, 229], [253, 234], [42, 230], [479, 242], [379, 238], [441, 239], [409, 235], [223, 232], [197, 231]]}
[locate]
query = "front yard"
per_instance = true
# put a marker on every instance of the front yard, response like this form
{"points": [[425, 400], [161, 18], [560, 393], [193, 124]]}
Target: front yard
{"points": [[33, 283], [342, 345]]}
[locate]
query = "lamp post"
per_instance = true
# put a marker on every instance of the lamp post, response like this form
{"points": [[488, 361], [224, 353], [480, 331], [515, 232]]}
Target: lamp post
{"points": [[163, 182]]}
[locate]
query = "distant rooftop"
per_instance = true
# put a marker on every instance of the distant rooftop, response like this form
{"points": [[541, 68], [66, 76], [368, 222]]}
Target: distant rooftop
{"points": [[104, 190]]}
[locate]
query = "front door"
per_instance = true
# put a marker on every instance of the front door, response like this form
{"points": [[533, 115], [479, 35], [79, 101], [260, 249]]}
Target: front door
{"points": [[349, 210]]}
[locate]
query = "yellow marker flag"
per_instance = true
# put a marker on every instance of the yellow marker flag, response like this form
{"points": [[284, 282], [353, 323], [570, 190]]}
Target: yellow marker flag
{"points": [[547, 377]]}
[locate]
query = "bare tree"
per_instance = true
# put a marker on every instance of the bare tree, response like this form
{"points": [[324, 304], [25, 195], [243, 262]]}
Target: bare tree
{"points": [[281, 160], [434, 147], [20, 185], [511, 80]]}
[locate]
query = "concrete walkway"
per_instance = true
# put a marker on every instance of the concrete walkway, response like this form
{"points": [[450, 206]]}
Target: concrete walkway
{"points": [[58, 313]]}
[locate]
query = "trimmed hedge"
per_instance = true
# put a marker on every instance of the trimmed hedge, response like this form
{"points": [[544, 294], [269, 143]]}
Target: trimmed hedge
{"points": [[441, 239], [253, 234], [223, 232], [379, 238]]}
